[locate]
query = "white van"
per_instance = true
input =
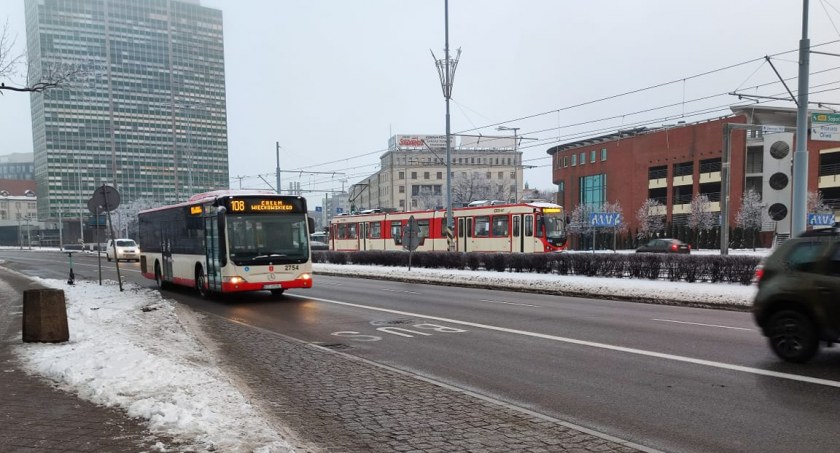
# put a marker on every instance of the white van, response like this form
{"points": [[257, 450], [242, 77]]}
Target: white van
{"points": [[126, 249]]}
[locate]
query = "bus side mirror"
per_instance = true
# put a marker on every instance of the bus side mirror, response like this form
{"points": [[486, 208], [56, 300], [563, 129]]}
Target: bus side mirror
{"points": [[311, 224]]}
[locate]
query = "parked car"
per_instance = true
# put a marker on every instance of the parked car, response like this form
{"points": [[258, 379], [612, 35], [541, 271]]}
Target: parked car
{"points": [[664, 245], [796, 305], [126, 249], [318, 245]]}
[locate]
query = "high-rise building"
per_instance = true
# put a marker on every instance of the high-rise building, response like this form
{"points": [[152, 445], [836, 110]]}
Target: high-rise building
{"points": [[148, 116]]}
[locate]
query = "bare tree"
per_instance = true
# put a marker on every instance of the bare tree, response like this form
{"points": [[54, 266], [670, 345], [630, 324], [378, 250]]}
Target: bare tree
{"points": [[749, 216], [701, 217], [649, 223], [427, 199], [47, 76], [816, 203], [579, 220], [475, 186]]}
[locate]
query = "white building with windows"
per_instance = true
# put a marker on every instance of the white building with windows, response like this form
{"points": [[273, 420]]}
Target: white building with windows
{"points": [[412, 173]]}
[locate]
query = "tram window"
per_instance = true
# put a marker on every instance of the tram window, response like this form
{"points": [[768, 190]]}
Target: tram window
{"points": [[516, 226], [529, 226], [375, 230], [482, 226], [423, 225], [500, 226], [396, 232]]}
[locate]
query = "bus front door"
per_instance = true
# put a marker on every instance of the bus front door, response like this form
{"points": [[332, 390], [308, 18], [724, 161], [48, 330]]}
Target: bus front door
{"points": [[166, 252], [211, 253]]}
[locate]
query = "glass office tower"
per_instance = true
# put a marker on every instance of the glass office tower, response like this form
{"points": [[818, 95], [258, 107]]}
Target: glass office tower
{"points": [[148, 116]]}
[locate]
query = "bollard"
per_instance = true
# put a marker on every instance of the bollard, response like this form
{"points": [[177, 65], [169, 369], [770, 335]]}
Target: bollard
{"points": [[44, 316]]}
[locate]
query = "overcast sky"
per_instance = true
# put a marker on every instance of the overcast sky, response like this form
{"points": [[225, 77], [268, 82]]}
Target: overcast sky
{"points": [[331, 81]]}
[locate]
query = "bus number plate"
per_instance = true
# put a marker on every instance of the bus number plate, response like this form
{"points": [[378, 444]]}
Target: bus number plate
{"points": [[272, 286], [291, 267]]}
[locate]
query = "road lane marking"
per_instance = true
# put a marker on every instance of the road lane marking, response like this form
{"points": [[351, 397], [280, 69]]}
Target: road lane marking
{"points": [[642, 352], [398, 291], [505, 302], [704, 325]]}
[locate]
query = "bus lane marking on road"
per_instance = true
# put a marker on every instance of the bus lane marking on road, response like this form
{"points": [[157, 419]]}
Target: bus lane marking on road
{"points": [[703, 325], [507, 303], [400, 331], [641, 352]]}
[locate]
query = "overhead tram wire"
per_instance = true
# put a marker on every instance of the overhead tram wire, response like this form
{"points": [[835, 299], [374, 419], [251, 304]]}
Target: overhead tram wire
{"points": [[606, 98]]}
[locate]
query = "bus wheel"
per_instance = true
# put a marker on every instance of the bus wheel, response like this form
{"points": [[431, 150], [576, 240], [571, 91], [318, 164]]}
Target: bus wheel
{"points": [[201, 283], [277, 292], [161, 284]]}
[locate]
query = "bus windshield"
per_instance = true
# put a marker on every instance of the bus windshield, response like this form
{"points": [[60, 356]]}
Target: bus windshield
{"points": [[554, 226], [268, 238]]}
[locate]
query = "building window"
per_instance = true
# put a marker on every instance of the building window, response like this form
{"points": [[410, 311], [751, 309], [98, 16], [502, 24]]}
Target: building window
{"points": [[574, 160], [488, 175], [592, 156], [603, 154], [684, 169], [501, 175], [593, 190], [402, 175], [414, 175], [565, 161], [425, 175], [440, 175], [582, 158], [402, 189], [402, 204]]}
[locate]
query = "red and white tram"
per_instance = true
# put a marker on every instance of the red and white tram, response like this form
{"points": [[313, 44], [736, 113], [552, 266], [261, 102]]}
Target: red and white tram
{"points": [[524, 227]]}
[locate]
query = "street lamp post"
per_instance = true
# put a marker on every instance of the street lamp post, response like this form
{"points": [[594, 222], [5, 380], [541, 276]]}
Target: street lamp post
{"points": [[515, 161]]}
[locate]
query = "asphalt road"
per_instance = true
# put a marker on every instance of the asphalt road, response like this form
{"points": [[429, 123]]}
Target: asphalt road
{"points": [[671, 378]]}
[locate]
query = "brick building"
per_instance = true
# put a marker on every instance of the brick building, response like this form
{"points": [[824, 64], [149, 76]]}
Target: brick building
{"points": [[673, 163]]}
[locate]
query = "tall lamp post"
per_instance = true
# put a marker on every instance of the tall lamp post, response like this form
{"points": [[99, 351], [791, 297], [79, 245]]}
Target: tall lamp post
{"points": [[515, 161]]}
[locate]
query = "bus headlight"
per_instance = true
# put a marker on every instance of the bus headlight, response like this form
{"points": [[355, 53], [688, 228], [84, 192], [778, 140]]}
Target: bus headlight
{"points": [[233, 280]]}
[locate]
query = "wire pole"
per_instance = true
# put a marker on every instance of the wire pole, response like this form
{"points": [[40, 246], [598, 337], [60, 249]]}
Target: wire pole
{"points": [[277, 171], [446, 71], [800, 156]]}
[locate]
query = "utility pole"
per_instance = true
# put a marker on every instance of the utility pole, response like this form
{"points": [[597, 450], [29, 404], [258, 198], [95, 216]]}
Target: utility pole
{"points": [[446, 71], [277, 171], [800, 157]]}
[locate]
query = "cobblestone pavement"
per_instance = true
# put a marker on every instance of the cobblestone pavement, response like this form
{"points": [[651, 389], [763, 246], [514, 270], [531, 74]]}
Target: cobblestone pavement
{"points": [[345, 404], [36, 417]]}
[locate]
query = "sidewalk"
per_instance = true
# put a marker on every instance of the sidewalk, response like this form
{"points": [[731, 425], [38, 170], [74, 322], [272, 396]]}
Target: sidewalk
{"points": [[36, 417]]}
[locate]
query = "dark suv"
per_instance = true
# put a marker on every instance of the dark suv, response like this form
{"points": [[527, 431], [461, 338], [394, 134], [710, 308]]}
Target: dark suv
{"points": [[798, 299]]}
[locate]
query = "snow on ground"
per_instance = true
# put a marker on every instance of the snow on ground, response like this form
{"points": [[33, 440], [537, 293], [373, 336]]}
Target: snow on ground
{"points": [[134, 349]]}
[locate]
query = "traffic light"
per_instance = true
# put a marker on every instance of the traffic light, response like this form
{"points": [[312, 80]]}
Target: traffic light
{"points": [[777, 184]]}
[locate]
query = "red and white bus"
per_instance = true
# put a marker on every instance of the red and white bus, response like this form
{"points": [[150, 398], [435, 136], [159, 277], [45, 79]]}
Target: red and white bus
{"points": [[228, 241], [524, 227]]}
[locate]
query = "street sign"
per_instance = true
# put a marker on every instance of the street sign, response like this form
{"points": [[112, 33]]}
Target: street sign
{"points": [[411, 235], [107, 197], [832, 118], [604, 219], [767, 129], [825, 131], [820, 219], [317, 209]]}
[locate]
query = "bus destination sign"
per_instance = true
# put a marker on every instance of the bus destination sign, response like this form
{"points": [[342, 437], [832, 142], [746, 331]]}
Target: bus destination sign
{"points": [[261, 205]]}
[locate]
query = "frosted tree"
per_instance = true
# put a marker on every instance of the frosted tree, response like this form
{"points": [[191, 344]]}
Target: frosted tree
{"points": [[816, 203], [427, 199], [750, 214], [649, 224], [700, 217], [476, 186]]}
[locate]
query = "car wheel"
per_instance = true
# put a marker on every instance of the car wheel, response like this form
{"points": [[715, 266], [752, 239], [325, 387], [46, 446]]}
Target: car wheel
{"points": [[201, 283], [792, 336]]}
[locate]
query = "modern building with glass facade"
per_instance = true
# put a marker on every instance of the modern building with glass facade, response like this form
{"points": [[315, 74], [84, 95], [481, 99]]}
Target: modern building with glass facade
{"points": [[148, 114]]}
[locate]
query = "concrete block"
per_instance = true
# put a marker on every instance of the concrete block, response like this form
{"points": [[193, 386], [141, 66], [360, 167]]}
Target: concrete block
{"points": [[44, 316]]}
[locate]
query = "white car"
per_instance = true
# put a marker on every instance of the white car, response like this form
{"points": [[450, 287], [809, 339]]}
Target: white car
{"points": [[126, 249]]}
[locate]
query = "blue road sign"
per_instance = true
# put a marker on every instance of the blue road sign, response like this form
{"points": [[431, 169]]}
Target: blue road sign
{"points": [[339, 210], [605, 219], [317, 209], [820, 219]]}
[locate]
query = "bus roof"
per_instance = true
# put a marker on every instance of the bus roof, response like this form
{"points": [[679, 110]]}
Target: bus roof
{"points": [[213, 195]]}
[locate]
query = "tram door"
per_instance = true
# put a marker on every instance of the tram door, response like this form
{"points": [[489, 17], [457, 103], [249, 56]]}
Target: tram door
{"points": [[363, 229], [517, 239], [528, 243], [211, 252]]}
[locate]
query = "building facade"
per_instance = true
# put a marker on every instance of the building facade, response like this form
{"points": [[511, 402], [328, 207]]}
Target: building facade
{"points": [[412, 173], [673, 164], [148, 113], [17, 166]]}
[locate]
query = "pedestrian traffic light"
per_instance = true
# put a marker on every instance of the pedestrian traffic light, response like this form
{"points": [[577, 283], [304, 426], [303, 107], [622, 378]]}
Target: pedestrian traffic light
{"points": [[776, 187]]}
